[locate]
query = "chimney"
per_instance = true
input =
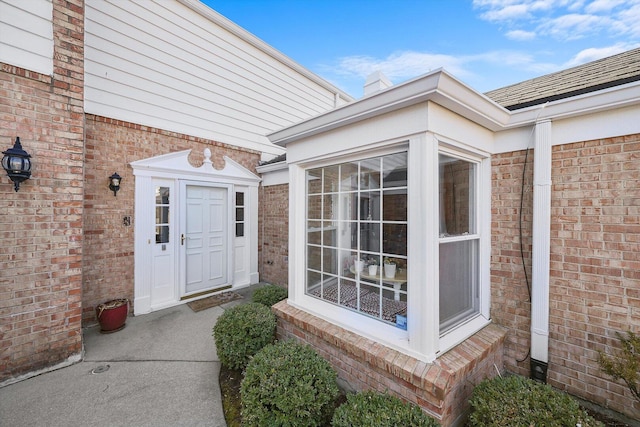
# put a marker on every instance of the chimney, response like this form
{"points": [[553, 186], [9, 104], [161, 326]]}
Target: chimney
{"points": [[376, 82]]}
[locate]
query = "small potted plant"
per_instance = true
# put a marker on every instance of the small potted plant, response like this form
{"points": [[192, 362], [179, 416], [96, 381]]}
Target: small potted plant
{"points": [[112, 315], [372, 266], [389, 268]]}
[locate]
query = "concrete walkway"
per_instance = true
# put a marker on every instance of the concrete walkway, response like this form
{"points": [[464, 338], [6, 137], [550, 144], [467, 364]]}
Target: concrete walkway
{"points": [[160, 370]]}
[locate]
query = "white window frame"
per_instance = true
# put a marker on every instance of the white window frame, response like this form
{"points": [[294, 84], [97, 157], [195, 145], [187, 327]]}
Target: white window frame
{"points": [[482, 212], [422, 338]]}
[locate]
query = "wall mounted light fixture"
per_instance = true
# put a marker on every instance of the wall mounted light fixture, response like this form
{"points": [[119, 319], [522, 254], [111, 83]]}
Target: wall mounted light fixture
{"points": [[17, 163], [114, 183]]}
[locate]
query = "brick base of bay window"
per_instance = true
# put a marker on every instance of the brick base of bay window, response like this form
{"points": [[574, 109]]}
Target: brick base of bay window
{"points": [[442, 388]]}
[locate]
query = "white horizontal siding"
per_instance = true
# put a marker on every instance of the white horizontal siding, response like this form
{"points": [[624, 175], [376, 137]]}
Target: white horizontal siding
{"points": [[160, 63], [26, 34]]}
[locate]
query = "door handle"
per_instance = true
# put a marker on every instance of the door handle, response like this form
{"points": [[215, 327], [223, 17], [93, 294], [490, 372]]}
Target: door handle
{"points": [[182, 239]]}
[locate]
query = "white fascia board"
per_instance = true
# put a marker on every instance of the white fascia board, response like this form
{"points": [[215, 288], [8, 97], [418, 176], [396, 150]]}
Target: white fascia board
{"points": [[589, 103], [207, 12], [437, 86]]}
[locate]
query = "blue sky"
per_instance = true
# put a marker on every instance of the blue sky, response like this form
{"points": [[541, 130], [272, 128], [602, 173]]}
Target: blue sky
{"points": [[487, 44]]}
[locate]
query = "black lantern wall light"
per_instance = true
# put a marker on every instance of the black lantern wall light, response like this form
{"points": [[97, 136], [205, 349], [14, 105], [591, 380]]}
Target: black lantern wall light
{"points": [[114, 183], [17, 163]]}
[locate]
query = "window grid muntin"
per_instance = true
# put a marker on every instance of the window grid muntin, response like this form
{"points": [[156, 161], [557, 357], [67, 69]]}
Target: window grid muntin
{"points": [[340, 192]]}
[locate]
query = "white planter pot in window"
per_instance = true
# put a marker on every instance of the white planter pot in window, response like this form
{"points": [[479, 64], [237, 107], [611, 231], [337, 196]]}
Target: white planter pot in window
{"points": [[390, 271], [358, 265]]}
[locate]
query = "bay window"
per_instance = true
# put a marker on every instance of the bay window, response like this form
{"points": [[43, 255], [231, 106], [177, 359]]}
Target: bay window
{"points": [[413, 275]]}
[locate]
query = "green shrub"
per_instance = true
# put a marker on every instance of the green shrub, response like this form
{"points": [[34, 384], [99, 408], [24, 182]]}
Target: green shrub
{"points": [[241, 332], [625, 364], [373, 409], [517, 401], [269, 295], [288, 384]]}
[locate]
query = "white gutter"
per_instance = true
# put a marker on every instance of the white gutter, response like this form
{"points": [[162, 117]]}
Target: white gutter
{"points": [[541, 251]]}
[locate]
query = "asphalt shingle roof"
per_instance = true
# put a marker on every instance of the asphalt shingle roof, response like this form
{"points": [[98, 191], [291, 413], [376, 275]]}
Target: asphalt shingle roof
{"points": [[597, 75]]}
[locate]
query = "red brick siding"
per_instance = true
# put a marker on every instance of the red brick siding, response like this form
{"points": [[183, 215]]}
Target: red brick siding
{"points": [[594, 279], [595, 264], [510, 304], [110, 146], [41, 225], [274, 234], [441, 388]]}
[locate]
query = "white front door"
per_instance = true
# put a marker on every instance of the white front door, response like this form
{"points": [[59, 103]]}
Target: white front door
{"points": [[186, 221], [163, 271], [206, 238]]}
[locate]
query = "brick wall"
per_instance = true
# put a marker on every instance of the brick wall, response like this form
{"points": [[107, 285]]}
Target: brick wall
{"points": [[41, 225], [442, 388], [110, 146], [595, 263], [510, 301], [273, 245]]}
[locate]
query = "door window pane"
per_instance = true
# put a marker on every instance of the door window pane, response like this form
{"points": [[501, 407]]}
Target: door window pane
{"points": [[240, 212], [162, 214]]}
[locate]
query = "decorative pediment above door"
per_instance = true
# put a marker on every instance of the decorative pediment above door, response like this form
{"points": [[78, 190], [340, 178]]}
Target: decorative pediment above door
{"points": [[178, 164]]}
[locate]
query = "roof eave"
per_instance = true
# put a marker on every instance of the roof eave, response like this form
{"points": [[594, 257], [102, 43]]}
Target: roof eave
{"points": [[438, 86], [588, 103]]}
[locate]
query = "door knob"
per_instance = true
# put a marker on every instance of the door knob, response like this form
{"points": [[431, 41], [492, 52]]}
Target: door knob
{"points": [[182, 239]]}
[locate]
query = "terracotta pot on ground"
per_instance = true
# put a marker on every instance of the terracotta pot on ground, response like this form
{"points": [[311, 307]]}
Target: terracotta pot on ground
{"points": [[112, 315]]}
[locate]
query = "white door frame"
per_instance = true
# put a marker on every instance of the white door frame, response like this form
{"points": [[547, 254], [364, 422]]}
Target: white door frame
{"points": [[176, 166]]}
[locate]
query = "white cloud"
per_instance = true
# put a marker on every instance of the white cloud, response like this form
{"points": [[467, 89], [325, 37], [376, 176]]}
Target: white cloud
{"points": [[402, 66], [574, 26], [603, 5], [520, 35], [630, 19], [562, 19], [506, 13], [512, 10], [593, 54], [399, 65]]}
